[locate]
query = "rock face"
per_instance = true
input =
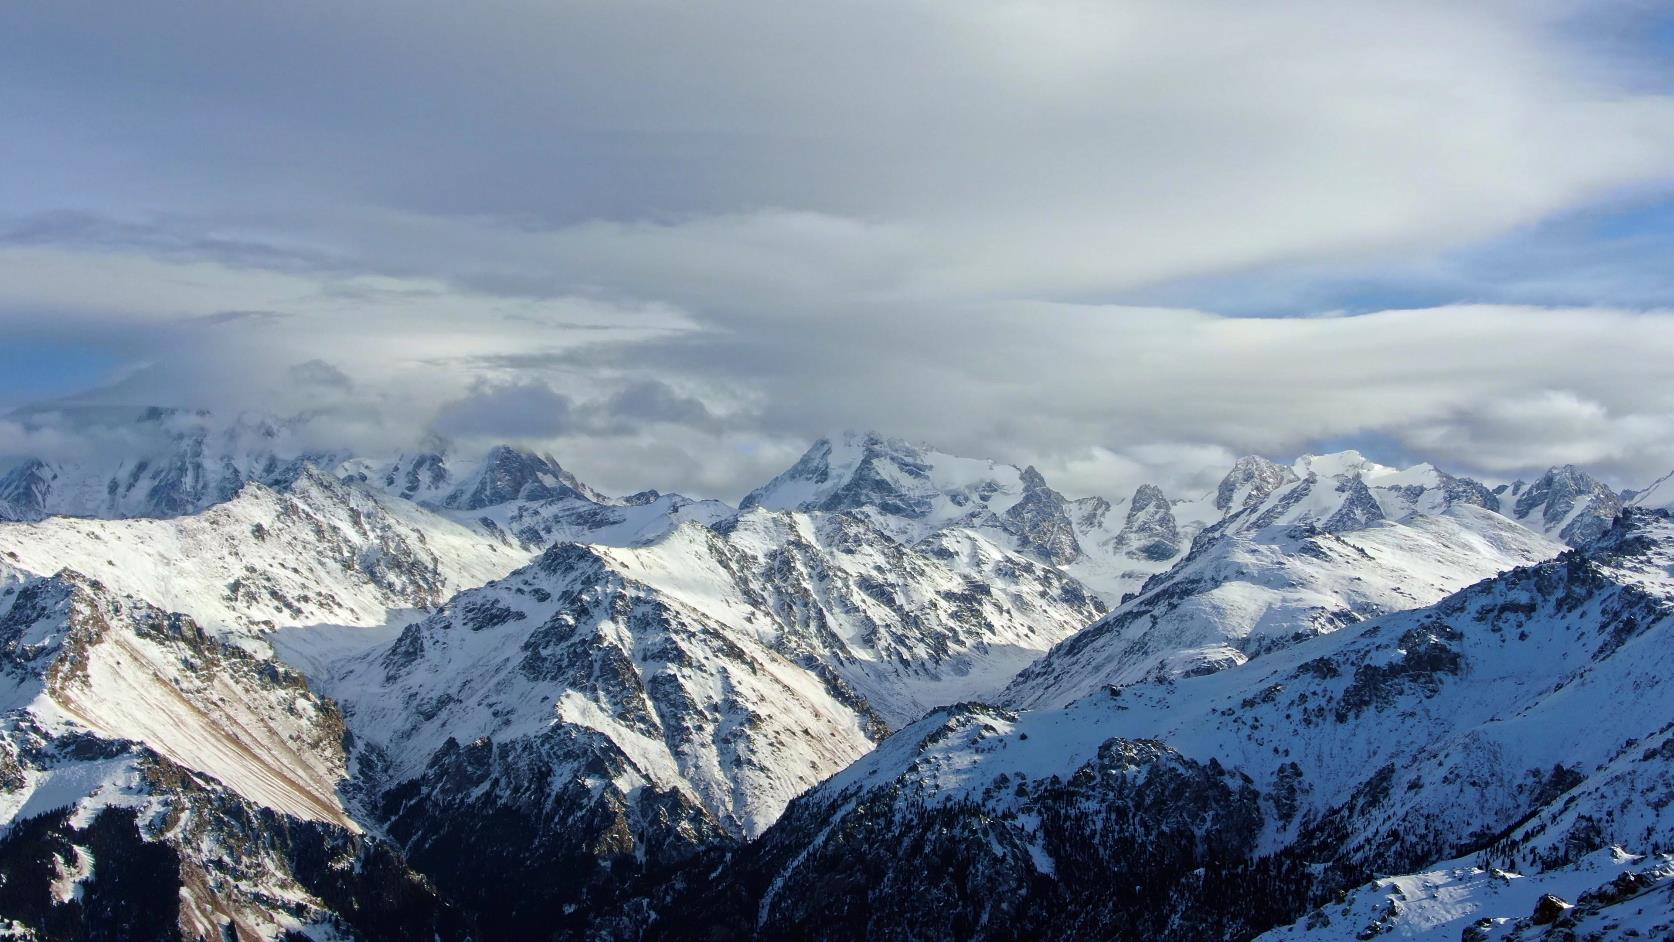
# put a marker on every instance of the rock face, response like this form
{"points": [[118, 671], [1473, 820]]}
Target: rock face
{"points": [[1565, 503], [911, 492], [1309, 558], [607, 713], [1149, 529], [1523, 718], [1251, 479], [159, 783], [1041, 522]]}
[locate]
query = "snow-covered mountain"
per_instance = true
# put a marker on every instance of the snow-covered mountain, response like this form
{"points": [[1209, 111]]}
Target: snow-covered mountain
{"points": [[1526, 718], [669, 696], [1565, 503], [156, 782], [528, 497], [448, 696], [1347, 541], [313, 551], [910, 492], [149, 463]]}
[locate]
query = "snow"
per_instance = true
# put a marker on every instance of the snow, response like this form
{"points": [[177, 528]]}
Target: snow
{"points": [[1255, 589], [320, 553], [1351, 464], [726, 624], [1469, 703], [66, 786], [1438, 904], [1659, 495]]}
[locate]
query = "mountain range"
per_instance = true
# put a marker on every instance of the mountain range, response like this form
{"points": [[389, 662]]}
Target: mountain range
{"points": [[257, 691]]}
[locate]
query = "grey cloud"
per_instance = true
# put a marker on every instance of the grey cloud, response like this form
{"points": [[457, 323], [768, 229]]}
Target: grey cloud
{"points": [[651, 400], [624, 230], [319, 373], [519, 411]]}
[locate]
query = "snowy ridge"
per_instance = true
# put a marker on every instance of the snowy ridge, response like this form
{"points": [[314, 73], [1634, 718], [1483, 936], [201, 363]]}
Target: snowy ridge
{"points": [[912, 492], [314, 552], [1658, 496], [1622, 896], [665, 699], [1307, 559], [1527, 717], [1565, 503], [175, 462]]}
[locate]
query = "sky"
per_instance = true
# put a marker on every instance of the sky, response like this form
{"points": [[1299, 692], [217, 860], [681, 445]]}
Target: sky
{"points": [[674, 243]]}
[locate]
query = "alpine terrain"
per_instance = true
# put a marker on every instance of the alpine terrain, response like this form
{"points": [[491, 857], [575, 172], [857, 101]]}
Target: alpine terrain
{"points": [[256, 691]]}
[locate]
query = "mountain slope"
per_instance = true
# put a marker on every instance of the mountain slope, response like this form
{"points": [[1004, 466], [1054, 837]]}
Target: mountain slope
{"points": [[1307, 558], [1526, 717], [314, 551], [1607, 896], [608, 711], [156, 782]]}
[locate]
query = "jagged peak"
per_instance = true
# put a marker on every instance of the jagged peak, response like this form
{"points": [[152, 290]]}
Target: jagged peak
{"points": [[1249, 482], [1033, 479], [1147, 495]]}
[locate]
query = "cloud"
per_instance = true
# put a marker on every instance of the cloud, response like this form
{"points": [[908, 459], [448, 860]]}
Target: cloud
{"points": [[319, 374], [517, 411], [652, 401], [689, 239]]}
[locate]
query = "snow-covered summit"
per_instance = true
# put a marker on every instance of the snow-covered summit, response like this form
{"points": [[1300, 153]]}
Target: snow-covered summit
{"points": [[1565, 503], [1312, 556], [151, 463], [314, 551], [503, 474], [1522, 723]]}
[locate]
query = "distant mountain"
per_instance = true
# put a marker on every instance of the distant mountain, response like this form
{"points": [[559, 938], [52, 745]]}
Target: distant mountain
{"points": [[1564, 503], [1307, 558], [911, 492], [149, 463]]}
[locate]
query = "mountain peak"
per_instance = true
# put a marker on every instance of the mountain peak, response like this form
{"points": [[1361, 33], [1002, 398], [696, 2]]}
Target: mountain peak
{"points": [[1338, 464], [1249, 482], [1568, 503]]}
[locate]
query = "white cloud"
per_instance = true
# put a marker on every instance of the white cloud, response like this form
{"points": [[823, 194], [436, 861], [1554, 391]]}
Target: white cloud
{"points": [[715, 231]]}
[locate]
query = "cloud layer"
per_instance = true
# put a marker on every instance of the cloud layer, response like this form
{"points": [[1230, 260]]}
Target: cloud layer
{"points": [[674, 242]]}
